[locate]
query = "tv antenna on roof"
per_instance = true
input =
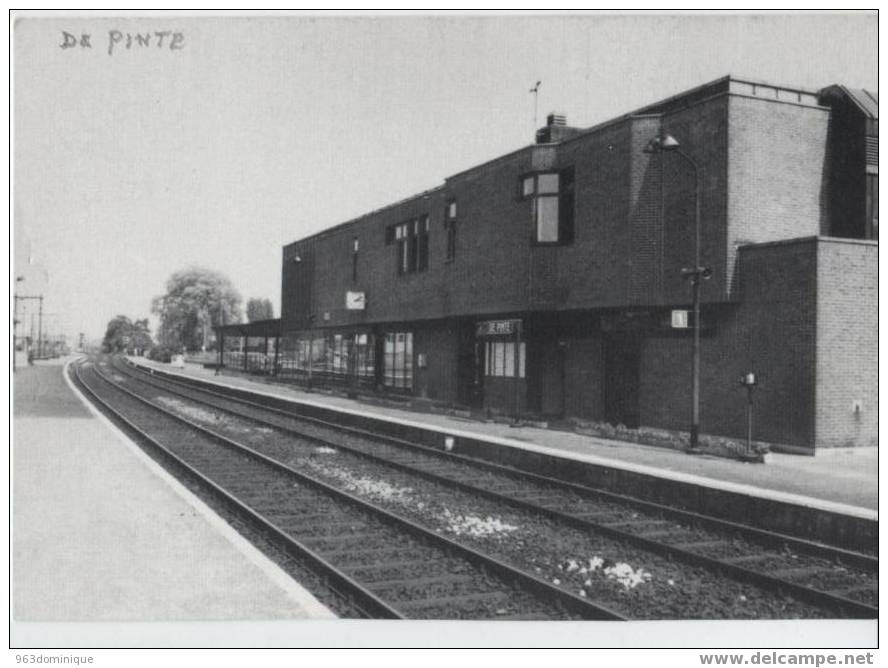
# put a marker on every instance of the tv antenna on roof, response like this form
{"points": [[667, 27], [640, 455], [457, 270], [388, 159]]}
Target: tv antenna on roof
{"points": [[535, 90]]}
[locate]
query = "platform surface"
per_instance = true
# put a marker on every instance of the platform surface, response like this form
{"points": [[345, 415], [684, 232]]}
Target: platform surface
{"points": [[101, 533], [842, 480]]}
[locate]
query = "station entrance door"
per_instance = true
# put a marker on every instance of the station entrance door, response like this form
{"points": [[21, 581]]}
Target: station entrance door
{"points": [[622, 365], [469, 368]]}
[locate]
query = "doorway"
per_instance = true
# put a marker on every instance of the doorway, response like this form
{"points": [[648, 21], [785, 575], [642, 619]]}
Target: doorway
{"points": [[622, 364], [469, 369], [551, 370]]}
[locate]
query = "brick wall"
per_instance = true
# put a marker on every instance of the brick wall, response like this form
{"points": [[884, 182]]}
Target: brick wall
{"points": [[771, 333], [584, 378], [595, 269], [762, 171], [437, 341], [776, 171], [847, 343], [703, 132]]}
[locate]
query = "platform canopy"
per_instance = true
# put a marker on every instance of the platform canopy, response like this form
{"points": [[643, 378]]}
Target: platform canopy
{"points": [[259, 328]]}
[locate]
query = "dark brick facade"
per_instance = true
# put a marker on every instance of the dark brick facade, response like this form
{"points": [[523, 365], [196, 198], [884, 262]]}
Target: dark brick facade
{"points": [[595, 311]]}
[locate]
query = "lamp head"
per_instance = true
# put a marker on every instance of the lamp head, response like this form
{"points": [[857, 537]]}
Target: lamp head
{"points": [[668, 143], [665, 142]]}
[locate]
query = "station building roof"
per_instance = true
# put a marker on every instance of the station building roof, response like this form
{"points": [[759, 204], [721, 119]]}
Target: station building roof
{"points": [[865, 100], [258, 328]]}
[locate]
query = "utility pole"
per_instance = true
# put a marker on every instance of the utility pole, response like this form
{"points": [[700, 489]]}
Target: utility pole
{"points": [[17, 299], [40, 329]]}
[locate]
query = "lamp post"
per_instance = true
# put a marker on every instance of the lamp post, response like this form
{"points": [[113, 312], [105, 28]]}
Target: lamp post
{"points": [[15, 301], [39, 298], [220, 336], [668, 143]]}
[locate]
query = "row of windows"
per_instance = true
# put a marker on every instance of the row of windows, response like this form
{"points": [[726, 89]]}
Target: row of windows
{"points": [[411, 241], [346, 356], [333, 354], [552, 205]]}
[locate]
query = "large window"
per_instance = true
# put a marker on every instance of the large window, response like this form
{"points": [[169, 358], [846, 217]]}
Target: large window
{"points": [[398, 353], [336, 356], [500, 359], [411, 244], [552, 205]]}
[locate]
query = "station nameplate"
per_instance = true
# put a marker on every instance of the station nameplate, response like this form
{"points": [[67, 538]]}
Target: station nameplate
{"points": [[497, 327]]}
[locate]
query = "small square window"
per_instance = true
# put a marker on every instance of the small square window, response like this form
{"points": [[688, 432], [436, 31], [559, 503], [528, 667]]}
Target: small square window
{"points": [[451, 210], [547, 184], [527, 186]]}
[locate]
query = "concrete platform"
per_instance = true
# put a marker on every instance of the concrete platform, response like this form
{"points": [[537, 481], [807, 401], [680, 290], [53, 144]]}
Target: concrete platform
{"points": [[839, 484], [101, 533]]}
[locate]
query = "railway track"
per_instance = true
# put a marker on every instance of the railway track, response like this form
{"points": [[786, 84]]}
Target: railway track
{"points": [[384, 565], [841, 581]]}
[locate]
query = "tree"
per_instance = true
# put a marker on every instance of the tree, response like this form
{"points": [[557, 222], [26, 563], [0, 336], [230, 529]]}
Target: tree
{"points": [[122, 334], [196, 299], [259, 309]]}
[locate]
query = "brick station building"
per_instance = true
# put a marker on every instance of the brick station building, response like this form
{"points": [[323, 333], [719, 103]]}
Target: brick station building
{"points": [[548, 281]]}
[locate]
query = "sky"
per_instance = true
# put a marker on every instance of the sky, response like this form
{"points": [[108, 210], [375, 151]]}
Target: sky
{"points": [[260, 130]]}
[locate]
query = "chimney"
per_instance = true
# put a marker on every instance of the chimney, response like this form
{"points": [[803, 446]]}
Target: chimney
{"points": [[556, 129]]}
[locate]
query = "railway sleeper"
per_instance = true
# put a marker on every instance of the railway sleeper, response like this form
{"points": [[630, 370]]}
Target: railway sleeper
{"points": [[748, 558], [358, 538], [641, 522], [365, 571], [416, 582], [676, 535], [800, 572], [347, 552], [856, 589], [437, 601], [701, 545]]}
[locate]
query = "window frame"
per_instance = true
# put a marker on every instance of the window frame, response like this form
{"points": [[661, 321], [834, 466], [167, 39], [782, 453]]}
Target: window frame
{"points": [[411, 239], [499, 359], [451, 213], [564, 204], [399, 358]]}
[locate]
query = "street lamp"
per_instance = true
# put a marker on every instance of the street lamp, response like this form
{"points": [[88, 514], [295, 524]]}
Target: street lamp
{"points": [[668, 143]]}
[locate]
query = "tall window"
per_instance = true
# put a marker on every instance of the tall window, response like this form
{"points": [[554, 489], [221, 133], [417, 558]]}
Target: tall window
{"points": [[411, 244], [500, 359], [552, 205], [355, 246], [421, 231], [450, 229], [398, 360]]}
